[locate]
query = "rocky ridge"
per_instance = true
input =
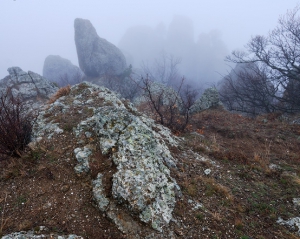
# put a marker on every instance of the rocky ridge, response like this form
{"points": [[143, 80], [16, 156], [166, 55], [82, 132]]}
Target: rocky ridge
{"points": [[30, 87], [138, 148]]}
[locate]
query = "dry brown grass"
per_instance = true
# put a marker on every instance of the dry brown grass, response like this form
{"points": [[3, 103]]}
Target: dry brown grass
{"points": [[3, 219], [262, 162], [214, 187], [217, 216], [296, 180], [61, 92], [13, 168], [234, 137], [238, 223]]}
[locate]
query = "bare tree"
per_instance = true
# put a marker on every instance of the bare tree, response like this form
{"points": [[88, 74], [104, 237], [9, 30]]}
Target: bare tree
{"points": [[171, 107], [248, 89], [188, 98], [164, 70], [279, 55]]}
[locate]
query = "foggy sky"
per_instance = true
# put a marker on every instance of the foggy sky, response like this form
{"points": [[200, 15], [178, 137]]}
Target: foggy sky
{"points": [[30, 30]]}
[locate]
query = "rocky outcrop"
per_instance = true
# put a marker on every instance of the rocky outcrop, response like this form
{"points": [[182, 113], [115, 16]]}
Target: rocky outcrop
{"points": [[293, 223], [61, 71], [210, 98], [30, 87], [142, 189], [96, 55]]}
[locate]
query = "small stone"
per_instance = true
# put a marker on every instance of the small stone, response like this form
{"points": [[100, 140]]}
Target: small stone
{"points": [[65, 188], [207, 171], [296, 202]]}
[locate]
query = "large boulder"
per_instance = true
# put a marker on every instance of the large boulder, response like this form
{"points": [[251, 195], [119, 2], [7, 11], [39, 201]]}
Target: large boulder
{"points": [[28, 86], [61, 71], [141, 187], [96, 55]]}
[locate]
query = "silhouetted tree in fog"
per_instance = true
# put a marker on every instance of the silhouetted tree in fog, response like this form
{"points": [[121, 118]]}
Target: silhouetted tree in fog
{"points": [[278, 54], [167, 95], [248, 89], [164, 69]]}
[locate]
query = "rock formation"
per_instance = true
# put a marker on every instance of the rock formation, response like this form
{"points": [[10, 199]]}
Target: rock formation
{"points": [[96, 55], [61, 71], [141, 185], [30, 87], [210, 98]]}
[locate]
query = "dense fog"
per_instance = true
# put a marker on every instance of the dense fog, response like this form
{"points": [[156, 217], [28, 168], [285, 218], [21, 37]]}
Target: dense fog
{"points": [[194, 35], [200, 60]]}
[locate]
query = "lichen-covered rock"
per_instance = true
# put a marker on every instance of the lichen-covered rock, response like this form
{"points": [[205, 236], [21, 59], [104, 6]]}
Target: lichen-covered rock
{"points": [[61, 71], [142, 181], [30, 87], [82, 156], [41, 233], [210, 98], [102, 201], [293, 223], [96, 55]]}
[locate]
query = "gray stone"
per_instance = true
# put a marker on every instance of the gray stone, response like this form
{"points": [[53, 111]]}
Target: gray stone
{"points": [[274, 167], [61, 71], [293, 223], [210, 98], [29, 87], [296, 202], [96, 55], [82, 156], [102, 201], [38, 235], [207, 171]]}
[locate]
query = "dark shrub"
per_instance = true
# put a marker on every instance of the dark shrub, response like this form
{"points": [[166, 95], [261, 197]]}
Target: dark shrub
{"points": [[15, 125]]}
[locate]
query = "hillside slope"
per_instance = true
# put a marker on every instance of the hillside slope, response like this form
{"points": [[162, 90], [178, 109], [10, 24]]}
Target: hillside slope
{"points": [[227, 177]]}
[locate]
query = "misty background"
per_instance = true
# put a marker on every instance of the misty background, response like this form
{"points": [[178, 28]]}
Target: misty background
{"points": [[198, 34]]}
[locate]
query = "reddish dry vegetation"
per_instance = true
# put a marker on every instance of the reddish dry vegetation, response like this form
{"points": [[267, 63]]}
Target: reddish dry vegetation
{"points": [[63, 91], [241, 197]]}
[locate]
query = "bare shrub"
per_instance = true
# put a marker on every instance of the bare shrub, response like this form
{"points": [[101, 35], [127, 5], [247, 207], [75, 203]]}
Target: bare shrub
{"points": [[170, 107], [15, 125]]}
